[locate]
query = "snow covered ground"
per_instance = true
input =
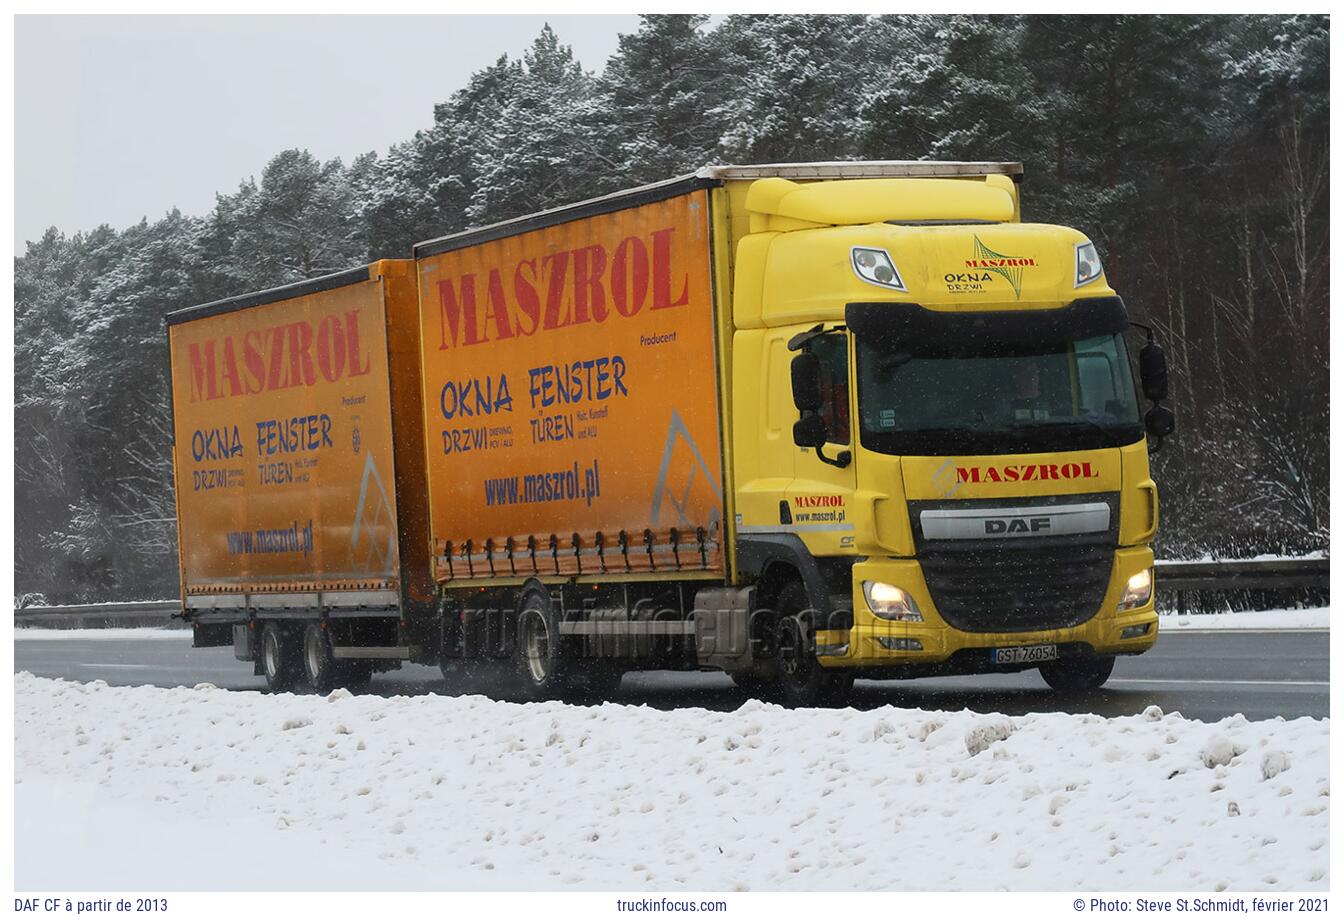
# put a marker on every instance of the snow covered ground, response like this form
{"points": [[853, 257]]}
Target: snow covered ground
{"points": [[146, 788], [1310, 618]]}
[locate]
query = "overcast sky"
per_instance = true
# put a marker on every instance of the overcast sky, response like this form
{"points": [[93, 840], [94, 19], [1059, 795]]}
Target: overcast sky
{"points": [[123, 117]]}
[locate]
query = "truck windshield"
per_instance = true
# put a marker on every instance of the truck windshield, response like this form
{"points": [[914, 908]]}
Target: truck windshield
{"points": [[994, 397]]}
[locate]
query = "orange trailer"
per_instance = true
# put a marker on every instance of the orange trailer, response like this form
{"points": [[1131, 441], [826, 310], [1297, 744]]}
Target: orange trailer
{"points": [[571, 397], [296, 422]]}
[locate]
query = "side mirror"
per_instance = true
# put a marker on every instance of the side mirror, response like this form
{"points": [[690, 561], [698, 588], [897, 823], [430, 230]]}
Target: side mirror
{"points": [[1153, 372], [805, 374], [810, 431], [1160, 421]]}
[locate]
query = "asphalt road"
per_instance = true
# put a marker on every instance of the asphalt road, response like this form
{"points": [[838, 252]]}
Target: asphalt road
{"points": [[1203, 675]]}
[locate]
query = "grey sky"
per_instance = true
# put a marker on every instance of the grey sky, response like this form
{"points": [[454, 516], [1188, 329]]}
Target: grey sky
{"points": [[123, 117]]}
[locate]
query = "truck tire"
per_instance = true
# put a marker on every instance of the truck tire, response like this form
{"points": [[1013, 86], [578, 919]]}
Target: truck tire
{"points": [[541, 671], [281, 660], [802, 681], [1078, 674], [320, 668]]}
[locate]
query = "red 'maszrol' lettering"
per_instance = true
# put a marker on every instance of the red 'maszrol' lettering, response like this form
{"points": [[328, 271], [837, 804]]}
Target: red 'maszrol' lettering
{"points": [[588, 284], [1027, 472], [277, 358]]}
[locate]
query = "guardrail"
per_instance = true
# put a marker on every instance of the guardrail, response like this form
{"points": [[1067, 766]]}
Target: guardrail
{"points": [[101, 616], [1240, 575], [1180, 577]]}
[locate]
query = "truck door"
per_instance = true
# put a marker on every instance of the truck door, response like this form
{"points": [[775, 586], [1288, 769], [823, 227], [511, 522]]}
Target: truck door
{"points": [[820, 499]]}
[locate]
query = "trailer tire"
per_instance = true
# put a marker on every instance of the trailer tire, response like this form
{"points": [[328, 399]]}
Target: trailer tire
{"points": [[802, 681], [281, 661], [541, 670], [320, 667], [1079, 674]]}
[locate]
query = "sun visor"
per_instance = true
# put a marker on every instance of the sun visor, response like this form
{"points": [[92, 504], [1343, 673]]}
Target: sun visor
{"points": [[907, 326]]}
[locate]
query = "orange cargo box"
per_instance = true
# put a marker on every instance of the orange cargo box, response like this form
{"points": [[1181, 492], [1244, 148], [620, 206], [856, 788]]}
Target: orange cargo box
{"points": [[296, 424], [571, 400]]}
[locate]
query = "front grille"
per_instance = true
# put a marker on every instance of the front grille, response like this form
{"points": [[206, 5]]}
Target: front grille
{"points": [[1017, 586]]}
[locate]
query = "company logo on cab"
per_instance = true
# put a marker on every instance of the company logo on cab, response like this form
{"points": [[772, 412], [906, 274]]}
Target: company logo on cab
{"points": [[589, 284], [1027, 472], [295, 354]]}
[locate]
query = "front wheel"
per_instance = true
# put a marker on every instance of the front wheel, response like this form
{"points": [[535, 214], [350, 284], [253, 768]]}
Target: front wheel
{"points": [[802, 681], [1078, 674]]}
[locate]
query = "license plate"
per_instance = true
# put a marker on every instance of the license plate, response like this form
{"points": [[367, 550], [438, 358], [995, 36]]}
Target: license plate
{"points": [[1026, 654]]}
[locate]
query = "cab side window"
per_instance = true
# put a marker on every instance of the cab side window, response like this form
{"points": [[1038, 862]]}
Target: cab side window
{"points": [[833, 351]]}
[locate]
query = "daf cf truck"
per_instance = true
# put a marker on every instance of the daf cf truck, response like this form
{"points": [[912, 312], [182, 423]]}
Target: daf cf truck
{"points": [[800, 423]]}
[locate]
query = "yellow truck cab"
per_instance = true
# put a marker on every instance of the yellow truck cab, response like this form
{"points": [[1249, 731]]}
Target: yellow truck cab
{"points": [[935, 423]]}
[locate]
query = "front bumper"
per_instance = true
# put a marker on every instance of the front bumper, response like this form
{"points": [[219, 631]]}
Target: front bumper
{"points": [[933, 646]]}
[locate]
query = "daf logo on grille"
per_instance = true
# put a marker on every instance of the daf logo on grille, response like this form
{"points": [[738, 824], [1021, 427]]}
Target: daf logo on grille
{"points": [[976, 522], [1017, 525]]}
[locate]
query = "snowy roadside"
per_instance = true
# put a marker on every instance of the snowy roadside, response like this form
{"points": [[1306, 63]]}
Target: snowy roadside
{"points": [[1311, 618], [202, 789]]}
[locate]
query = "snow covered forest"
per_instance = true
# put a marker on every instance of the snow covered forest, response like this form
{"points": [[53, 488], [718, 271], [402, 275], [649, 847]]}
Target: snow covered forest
{"points": [[1193, 150]]}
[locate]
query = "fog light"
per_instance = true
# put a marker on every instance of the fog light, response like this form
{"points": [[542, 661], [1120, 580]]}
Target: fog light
{"points": [[891, 603], [1139, 590], [1133, 632], [832, 651], [893, 644]]}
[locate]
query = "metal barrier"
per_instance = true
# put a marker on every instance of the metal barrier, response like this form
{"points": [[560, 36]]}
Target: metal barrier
{"points": [[102, 616], [1180, 577], [1240, 575]]}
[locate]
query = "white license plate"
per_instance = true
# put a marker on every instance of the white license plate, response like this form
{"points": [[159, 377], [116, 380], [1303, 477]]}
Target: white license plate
{"points": [[1026, 654]]}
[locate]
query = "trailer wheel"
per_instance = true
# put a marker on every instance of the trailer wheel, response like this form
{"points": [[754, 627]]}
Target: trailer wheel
{"points": [[280, 658], [540, 668], [802, 681], [1078, 674], [319, 665]]}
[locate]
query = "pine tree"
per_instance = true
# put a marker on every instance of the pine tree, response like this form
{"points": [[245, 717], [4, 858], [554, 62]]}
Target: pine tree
{"points": [[655, 96], [298, 223], [791, 87]]}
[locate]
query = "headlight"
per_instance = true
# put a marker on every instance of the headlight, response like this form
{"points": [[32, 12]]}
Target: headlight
{"points": [[1088, 264], [875, 267], [1139, 590], [890, 602]]}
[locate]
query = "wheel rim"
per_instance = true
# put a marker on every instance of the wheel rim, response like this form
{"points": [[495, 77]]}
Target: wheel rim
{"points": [[536, 645], [792, 664], [312, 647], [270, 647]]}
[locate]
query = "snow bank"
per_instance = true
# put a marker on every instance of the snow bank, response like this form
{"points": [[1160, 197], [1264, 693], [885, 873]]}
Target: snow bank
{"points": [[1310, 618], [147, 788]]}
